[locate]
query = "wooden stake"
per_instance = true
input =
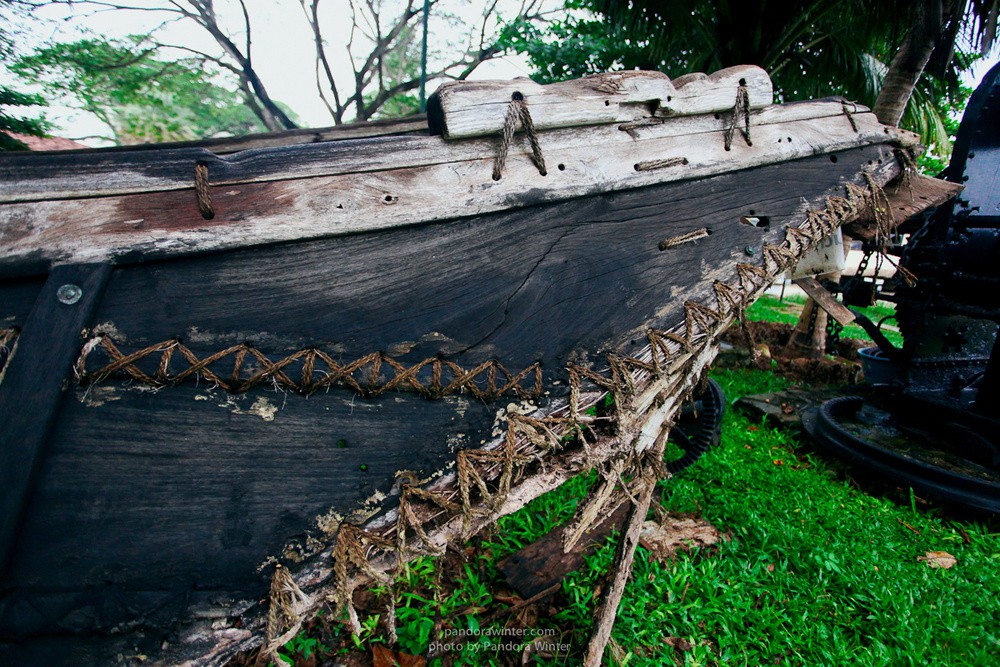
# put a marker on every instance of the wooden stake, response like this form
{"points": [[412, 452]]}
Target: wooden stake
{"points": [[604, 620]]}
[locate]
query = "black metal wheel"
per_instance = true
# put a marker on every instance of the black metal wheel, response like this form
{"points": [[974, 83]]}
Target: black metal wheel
{"points": [[873, 440], [698, 428]]}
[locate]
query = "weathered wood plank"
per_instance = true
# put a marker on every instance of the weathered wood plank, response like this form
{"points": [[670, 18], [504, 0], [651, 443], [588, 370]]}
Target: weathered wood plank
{"points": [[906, 200], [69, 174], [544, 563], [476, 288], [169, 223], [827, 301], [472, 109], [33, 383]]}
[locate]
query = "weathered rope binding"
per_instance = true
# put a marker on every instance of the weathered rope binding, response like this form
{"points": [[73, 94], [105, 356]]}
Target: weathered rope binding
{"points": [[681, 239], [850, 113], [650, 165], [517, 111], [742, 107], [202, 192], [484, 478], [370, 375], [8, 338]]}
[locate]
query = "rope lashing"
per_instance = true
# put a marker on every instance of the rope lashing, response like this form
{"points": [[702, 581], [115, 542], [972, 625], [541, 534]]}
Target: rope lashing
{"points": [[202, 192], [650, 165], [8, 337], [517, 111], [850, 113], [742, 107], [681, 239]]}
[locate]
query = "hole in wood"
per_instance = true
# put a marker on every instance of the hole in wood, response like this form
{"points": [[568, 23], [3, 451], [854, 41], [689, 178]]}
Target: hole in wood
{"points": [[758, 221], [833, 158], [669, 98], [388, 198], [717, 116], [561, 167], [788, 139], [607, 103], [743, 82], [517, 96]]}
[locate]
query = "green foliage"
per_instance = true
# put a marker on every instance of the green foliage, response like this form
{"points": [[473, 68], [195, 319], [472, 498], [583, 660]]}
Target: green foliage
{"points": [[12, 121], [139, 96], [818, 50]]}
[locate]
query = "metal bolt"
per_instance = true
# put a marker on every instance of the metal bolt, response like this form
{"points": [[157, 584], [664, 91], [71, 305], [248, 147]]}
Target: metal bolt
{"points": [[69, 294], [749, 250]]}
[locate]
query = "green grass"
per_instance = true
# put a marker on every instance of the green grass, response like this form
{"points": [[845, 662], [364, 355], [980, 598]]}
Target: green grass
{"points": [[817, 571], [772, 309]]}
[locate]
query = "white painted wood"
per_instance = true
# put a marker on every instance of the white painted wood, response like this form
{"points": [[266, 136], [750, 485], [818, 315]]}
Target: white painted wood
{"points": [[169, 223], [92, 175], [474, 109]]}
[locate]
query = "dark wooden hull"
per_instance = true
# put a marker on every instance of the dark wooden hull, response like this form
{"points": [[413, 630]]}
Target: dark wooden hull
{"points": [[151, 507]]}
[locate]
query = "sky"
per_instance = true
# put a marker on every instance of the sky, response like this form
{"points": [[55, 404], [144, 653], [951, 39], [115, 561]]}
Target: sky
{"points": [[283, 50]]}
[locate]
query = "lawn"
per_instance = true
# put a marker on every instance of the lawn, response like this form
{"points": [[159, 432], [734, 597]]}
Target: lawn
{"points": [[770, 308]]}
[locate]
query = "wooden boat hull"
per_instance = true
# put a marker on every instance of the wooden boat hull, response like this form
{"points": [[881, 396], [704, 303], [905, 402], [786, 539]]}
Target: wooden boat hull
{"points": [[323, 360]]}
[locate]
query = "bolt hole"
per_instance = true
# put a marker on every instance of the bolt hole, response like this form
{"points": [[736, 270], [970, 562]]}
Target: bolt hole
{"points": [[833, 158], [517, 96], [496, 177], [388, 198], [743, 82], [752, 212], [669, 98], [788, 139], [717, 116], [561, 167]]}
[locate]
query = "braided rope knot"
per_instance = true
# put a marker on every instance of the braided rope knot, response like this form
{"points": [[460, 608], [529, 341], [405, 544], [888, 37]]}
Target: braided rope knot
{"points": [[517, 112]]}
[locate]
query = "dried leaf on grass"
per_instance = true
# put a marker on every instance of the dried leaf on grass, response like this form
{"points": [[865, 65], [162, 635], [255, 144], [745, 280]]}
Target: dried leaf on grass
{"points": [[384, 657], [675, 533], [679, 643], [939, 559]]}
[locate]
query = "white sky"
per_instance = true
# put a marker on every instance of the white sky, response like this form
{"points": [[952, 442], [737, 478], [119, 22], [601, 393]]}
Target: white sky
{"points": [[283, 51], [282, 48]]}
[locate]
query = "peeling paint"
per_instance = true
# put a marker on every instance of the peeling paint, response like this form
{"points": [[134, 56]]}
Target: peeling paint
{"points": [[261, 407], [95, 397]]}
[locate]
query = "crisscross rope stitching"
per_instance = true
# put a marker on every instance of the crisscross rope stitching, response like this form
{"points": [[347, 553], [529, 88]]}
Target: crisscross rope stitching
{"points": [[306, 371], [517, 112], [425, 520]]}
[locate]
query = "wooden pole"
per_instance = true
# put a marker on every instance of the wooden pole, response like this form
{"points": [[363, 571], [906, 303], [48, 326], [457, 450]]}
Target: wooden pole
{"points": [[607, 612]]}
